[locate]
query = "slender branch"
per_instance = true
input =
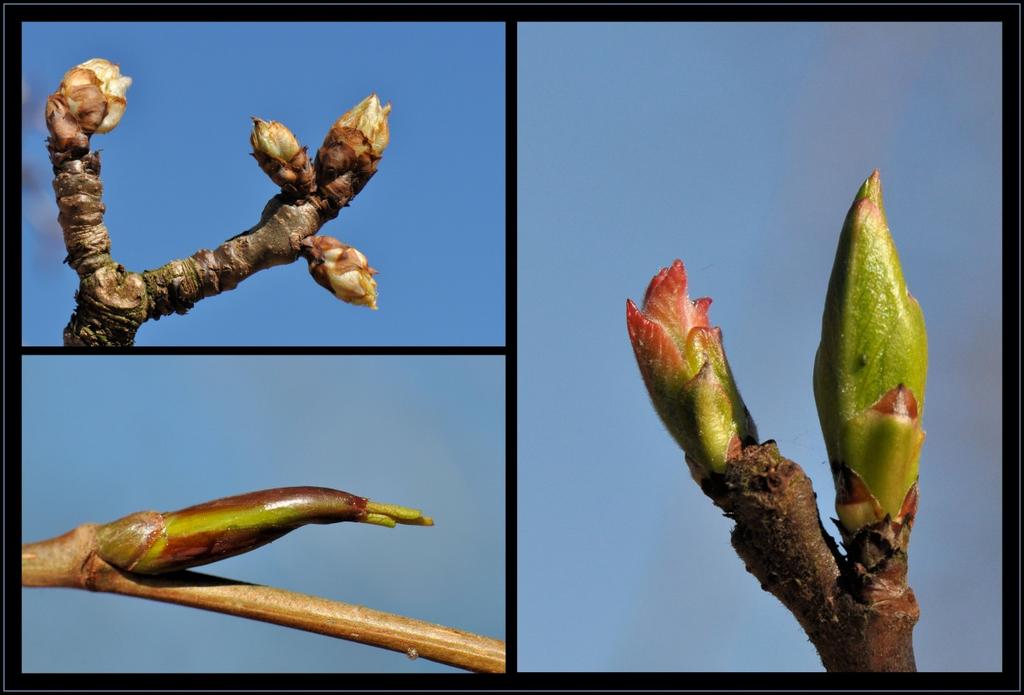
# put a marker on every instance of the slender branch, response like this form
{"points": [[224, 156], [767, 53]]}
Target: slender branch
{"points": [[857, 609], [176, 286], [71, 561]]}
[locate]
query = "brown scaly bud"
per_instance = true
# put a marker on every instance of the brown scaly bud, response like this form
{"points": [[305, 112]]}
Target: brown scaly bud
{"points": [[280, 156], [351, 150], [81, 89], [341, 269], [95, 92], [66, 133]]}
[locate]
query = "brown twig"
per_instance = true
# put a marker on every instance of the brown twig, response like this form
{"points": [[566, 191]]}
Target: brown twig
{"points": [[71, 561], [113, 302], [856, 609]]}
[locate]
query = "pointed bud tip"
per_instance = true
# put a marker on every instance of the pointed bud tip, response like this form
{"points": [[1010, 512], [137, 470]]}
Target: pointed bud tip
{"points": [[871, 190], [391, 514], [273, 139], [667, 302], [371, 119]]}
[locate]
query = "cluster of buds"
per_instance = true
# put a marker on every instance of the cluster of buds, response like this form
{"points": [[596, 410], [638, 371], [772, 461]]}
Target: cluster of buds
{"points": [[869, 373], [280, 156], [91, 99], [341, 269], [351, 149], [155, 542], [683, 364]]}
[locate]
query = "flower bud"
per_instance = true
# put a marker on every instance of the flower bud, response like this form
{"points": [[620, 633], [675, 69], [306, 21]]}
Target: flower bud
{"points": [[95, 92], [869, 371], [684, 367], [155, 543], [280, 156], [273, 139], [371, 119], [66, 132], [341, 269], [351, 149]]}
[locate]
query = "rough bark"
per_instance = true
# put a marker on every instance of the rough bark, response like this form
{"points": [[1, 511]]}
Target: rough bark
{"points": [[113, 302], [857, 609]]}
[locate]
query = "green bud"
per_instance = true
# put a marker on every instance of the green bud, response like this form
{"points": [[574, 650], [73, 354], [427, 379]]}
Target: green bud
{"points": [[155, 543], [870, 369], [684, 367]]}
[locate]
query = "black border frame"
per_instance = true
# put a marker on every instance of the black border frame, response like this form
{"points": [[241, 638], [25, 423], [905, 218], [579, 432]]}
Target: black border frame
{"points": [[1007, 14]]}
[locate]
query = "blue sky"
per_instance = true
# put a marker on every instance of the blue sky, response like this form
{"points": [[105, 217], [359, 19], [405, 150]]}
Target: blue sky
{"points": [[178, 176], [165, 433], [738, 148]]}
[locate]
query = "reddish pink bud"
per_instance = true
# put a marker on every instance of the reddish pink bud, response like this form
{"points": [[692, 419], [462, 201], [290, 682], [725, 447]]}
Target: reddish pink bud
{"points": [[683, 365]]}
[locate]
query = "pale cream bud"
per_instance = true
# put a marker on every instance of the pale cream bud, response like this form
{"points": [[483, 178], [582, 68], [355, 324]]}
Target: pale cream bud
{"points": [[96, 93], [341, 269], [371, 119], [273, 139]]}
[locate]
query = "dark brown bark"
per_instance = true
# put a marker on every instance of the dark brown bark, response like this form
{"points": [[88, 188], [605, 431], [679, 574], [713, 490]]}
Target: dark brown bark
{"points": [[856, 609]]}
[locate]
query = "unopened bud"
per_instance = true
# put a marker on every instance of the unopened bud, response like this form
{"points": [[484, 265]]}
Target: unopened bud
{"points": [[96, 94], [155, 542], [66, 132], [684, 367], [273, 139], [371, 119], [869, 371], [280, 156], [342, 270], [351, 150]]}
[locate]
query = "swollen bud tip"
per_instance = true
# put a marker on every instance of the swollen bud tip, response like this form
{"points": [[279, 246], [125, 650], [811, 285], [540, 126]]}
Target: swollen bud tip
{"points": [[870, 370], [282, 158], [683, 364], [351, 150], [371, 119], [273, 139], [96, 94], [341, 269]]}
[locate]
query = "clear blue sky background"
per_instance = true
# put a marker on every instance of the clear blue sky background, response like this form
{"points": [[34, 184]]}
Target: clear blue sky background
{"points": [[432, 220], [167, 432], [738, 148]]}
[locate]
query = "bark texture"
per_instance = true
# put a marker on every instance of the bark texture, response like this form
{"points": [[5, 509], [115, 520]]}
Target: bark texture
{"points": [[112, 302], [857, 609]]}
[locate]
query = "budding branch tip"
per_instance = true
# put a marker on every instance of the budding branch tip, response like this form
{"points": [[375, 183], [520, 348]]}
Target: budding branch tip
{"points": [[389, 515]]}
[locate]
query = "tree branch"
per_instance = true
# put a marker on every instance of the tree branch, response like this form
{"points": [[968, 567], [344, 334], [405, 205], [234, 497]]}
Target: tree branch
{"points": [[112, 302], [857, 609], [274, 240], [71, 561]]}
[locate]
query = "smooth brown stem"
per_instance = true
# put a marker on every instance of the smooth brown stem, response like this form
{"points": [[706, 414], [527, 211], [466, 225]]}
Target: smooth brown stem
{"points": [[859, 618], [71, 561]]}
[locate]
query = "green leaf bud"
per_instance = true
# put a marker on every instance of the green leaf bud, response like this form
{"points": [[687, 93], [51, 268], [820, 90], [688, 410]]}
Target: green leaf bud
{"points": [[155, 542], [684, 367], [870, 370]]}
